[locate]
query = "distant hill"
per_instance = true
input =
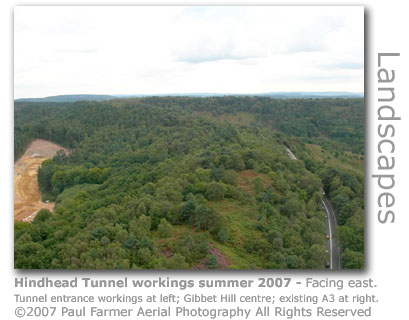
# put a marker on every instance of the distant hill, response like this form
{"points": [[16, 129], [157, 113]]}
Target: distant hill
{"points": [[299, 94], [276, 95], [69, 98]]}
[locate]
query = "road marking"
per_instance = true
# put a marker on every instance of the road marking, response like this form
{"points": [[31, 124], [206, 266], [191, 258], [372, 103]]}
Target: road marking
{"points": [[330, 234]]}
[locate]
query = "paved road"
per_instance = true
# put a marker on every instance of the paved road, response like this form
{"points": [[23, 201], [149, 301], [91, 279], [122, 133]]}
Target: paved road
{"points": [[332, 243]]}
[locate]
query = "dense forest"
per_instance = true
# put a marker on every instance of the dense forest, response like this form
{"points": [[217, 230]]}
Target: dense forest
{"points": [[183, 182]]}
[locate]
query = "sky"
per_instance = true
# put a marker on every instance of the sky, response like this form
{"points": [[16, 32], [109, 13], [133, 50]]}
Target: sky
{"points": [[159, 50]]}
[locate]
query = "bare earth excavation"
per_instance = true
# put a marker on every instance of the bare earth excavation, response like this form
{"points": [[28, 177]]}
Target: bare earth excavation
{"points": [[27, 197]]}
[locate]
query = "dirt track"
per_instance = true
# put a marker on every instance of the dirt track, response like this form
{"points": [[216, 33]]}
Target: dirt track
{"points": [[27, 197]]}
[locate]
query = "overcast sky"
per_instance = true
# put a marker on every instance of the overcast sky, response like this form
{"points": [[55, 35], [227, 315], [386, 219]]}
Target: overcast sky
{"points": [[149, 50]]}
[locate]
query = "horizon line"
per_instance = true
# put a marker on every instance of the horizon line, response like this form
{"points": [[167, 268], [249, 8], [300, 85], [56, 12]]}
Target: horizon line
{"points": [[194, 93]]}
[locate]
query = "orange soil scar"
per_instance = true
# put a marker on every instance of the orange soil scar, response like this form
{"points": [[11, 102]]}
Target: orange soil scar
{"points": [[27, 197]]}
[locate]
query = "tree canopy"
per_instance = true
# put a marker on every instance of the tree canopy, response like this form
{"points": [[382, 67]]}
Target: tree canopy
{"points": [[157, 182]]}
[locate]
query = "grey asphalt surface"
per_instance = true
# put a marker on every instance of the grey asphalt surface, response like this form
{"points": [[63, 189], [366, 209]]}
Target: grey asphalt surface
{"points": [[332, 243]]}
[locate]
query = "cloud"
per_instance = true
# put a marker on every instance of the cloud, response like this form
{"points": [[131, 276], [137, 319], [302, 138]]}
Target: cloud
{"points": [[207, 57], [146, 49], [344, 65], [210, 53], [78, 50], [313, 36]]}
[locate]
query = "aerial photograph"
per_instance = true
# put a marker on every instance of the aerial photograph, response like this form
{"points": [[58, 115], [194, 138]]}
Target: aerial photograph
{"points": [[189, 137]]}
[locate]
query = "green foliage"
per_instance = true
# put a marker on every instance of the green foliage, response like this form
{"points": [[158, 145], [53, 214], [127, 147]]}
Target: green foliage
{"points": [[42, 216], [318, 256], [193, 246], [258, 185], [150, 182], [215, 191], [222, 235], [346, 191], [165, 228], [177, 261], [353, 259], [211, 261], [229, 177], [53, 179]]}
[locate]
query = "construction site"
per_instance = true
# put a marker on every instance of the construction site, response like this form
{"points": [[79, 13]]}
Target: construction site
{"points": [[27, 196]]}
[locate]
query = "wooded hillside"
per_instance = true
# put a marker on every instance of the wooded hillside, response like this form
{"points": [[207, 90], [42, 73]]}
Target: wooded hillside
{"points": [[179, 182]]}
